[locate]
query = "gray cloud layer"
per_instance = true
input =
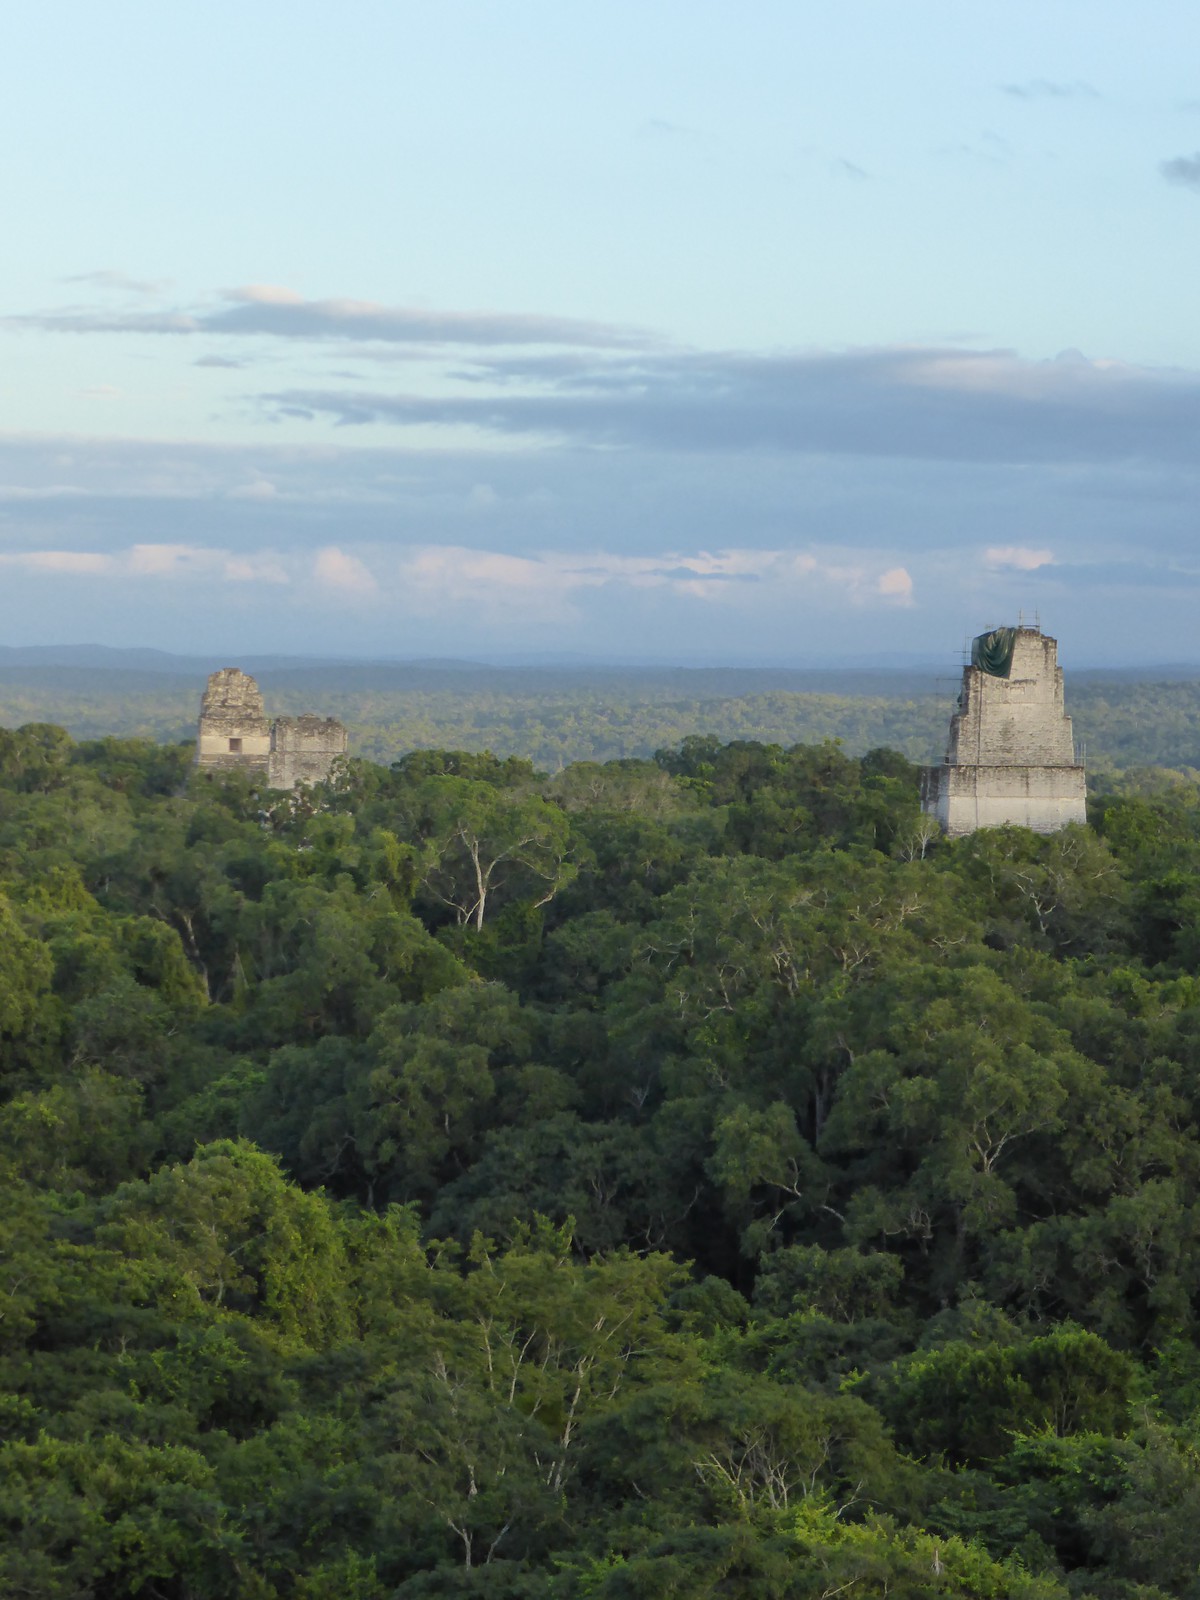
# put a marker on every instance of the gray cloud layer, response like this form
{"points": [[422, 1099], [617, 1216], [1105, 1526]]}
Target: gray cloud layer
{"points": [[929, 404], [612, 551], [608, 482]]}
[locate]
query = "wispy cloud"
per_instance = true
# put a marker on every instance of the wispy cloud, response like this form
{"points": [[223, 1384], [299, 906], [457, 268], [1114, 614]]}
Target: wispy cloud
{"points": [[257, 489], [989, 147], [452, 574], [1183, 170], [1018, 557], [167, 561], [121, 282], [662, 128], [72, 563], [271, 311], [261, 568], [260, 309], [1051, 89], [458, 575], [73, 319]]}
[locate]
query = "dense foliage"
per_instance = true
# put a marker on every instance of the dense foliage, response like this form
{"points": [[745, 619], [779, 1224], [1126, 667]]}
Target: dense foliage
{"points": [[677, 1177]]}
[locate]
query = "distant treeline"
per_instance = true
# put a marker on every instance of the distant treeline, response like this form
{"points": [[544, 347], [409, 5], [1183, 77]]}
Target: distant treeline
{"points": [[555, 717]]}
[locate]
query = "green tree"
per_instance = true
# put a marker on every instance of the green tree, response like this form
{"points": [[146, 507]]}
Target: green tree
{"points": [[484, 846]]}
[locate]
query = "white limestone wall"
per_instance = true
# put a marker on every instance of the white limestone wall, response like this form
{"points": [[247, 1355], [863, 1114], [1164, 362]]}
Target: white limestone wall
{"points": [[1044, 799]]}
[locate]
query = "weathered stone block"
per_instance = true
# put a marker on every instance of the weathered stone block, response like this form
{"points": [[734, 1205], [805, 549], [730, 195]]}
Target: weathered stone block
{"points": [[303, 750]]}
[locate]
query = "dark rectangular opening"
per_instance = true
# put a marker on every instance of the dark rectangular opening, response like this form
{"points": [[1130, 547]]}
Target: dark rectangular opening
{"points": [[235, 747]]}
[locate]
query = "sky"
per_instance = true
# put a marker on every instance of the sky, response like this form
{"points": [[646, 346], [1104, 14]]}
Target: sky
{"points": [[645, 331]]}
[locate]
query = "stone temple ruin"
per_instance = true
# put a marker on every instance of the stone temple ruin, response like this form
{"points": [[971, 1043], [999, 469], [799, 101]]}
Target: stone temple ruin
{"points": [[235, 736], [1011, 757]]}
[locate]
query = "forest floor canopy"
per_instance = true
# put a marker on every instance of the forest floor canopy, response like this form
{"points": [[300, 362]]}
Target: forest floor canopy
{"points": [[677, 1176]]}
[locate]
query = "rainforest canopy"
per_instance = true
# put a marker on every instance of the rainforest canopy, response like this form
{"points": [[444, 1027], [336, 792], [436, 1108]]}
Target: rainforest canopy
{"points": [[993, 652]]}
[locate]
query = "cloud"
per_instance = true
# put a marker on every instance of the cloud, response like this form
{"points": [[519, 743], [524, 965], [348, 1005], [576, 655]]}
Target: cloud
{"points": [[1173, 578], [707, 548], [257, 489], [1017, 556], [86, 320], [167, 560], [271, 311], [72, 563], [422, 598], [254, 569], [148, 561], [706, 555], [218, 361], [105, 278], [449, 575], [282, 313], [334, 569], [1048, 89], [849, 169], [990, 147], [661, 128], [453, 573], [266, 294], [1183, 170], [925, 403], [895, 584]]}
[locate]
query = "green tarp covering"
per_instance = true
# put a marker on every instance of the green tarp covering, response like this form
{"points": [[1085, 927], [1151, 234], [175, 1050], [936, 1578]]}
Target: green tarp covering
{"points": [[993, 652]]}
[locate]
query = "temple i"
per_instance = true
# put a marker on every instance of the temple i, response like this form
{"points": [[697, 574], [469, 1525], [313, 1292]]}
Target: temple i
{"points": [[1011, 757]]}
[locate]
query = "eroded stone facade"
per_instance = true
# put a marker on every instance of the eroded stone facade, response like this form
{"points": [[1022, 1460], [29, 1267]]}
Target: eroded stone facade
{"points": [[234, 732], [303, 750], [235, 735], [1011, 753]]}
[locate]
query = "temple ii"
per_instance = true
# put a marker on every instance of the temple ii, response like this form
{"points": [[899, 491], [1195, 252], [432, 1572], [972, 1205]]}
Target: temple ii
{"points": [[1011, 757], [235, 735]]}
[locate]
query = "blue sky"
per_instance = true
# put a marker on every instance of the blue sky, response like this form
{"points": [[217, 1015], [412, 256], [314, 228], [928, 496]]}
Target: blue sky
{"points": [[638, 330]]}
